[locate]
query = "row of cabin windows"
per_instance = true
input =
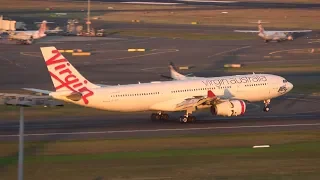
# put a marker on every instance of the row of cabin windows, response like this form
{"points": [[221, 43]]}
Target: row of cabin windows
{"points": [[185, 90], [138, 94], [199, 89], [263, 84]]}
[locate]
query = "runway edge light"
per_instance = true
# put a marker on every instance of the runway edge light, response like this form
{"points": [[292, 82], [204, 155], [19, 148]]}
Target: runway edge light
{"points": [[261, 146]]}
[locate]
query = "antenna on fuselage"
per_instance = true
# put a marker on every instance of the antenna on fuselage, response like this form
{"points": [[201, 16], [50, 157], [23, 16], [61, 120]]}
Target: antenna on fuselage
{"points": [[253, 73]]}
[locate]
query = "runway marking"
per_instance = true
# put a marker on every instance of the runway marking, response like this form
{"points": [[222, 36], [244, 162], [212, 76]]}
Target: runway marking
{"points": [[147, 69], [303, 60], [11, 62], [313, 42], [160, 130], [142, 55], [126, 40], [232, 50], [288, 50], [30, 54]]}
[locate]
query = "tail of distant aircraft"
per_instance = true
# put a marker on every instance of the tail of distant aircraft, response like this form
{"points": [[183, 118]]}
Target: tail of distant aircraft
{"points": [[174, 74], [260, 27], [42, 29]]}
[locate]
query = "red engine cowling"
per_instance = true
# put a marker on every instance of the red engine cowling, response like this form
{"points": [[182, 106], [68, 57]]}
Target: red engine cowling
{"points": [[229, 108]]}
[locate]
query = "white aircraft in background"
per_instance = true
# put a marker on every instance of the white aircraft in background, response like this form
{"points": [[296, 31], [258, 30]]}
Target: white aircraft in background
{"points": [[273, 35], [27, 37], [174, 75], [224, 96]]}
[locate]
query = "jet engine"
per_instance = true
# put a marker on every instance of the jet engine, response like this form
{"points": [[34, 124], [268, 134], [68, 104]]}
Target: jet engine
{"points": [[229, 108], [290, 38]]}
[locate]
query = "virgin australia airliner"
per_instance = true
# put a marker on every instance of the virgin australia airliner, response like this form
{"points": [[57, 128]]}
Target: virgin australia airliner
{"points": [[224, 96]]}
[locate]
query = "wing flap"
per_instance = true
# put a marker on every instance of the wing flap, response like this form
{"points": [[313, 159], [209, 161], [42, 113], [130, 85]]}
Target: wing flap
{"points": [[193, 102]]}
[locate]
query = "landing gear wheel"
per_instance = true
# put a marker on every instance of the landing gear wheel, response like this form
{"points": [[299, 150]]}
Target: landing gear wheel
{"points": [[183, 119], [155, 117], [266, 105], [266, 109], [164, 117], [158, 117]]}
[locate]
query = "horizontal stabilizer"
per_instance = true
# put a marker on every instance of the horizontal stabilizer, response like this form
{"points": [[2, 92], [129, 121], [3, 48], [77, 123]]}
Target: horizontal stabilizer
{"points": [[38, 90]]}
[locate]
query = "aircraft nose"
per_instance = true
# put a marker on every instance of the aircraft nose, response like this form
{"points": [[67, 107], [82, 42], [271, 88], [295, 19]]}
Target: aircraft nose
{"points": [[289, 86]]}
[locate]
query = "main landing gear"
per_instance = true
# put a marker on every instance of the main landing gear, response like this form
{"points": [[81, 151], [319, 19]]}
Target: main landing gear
{"points": [[164, 117], [159, 116], [187, 118], [266, 105]]}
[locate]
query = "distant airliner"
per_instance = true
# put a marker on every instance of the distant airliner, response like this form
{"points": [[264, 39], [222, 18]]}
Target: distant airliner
{"points": [[27, 37], [224, 96], [273, 35]]}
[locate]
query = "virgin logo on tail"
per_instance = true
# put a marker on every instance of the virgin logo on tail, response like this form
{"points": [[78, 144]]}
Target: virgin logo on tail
{"points": [[66, 78]]}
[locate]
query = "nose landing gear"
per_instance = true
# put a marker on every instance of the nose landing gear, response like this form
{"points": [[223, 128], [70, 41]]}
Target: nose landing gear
{"points": [[266, 105]]}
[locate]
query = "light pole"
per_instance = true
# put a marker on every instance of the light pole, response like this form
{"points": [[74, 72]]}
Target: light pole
{"points": [[21, 139], [88, 18]]}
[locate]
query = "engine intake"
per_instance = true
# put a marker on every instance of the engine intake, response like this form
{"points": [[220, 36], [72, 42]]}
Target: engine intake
{"points": [[229, 108]]}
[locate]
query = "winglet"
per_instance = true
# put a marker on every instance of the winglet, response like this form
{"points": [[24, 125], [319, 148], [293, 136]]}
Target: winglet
{"points": [[211, 94]]}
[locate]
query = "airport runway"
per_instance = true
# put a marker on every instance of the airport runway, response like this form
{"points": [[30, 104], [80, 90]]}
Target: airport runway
{"points": [[110, 63], [288, 113]]}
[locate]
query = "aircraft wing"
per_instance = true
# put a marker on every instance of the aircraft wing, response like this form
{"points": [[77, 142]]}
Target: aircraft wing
{"points": [[196, 101], [246, 31], [295, 31]]}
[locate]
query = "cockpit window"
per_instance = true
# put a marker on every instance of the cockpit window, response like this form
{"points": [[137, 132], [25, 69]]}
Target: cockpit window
{"points": [[284, 81]]}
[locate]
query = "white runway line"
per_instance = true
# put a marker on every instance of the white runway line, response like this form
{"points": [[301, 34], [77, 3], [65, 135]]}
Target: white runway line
{"points": [[232, 50], [153, 3], [261, 146], [288, 50], [162, 130], [11, 62], [208, 1], [142, 55]]}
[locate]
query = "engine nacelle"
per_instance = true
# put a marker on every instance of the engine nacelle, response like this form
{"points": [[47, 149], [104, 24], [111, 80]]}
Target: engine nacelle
{"points": [[290, 38], [229, 108]]}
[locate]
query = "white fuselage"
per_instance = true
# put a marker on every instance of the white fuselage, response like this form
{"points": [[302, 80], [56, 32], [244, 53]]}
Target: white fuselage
{"points": [[26, 35], [273, 36], [164, 96]]}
